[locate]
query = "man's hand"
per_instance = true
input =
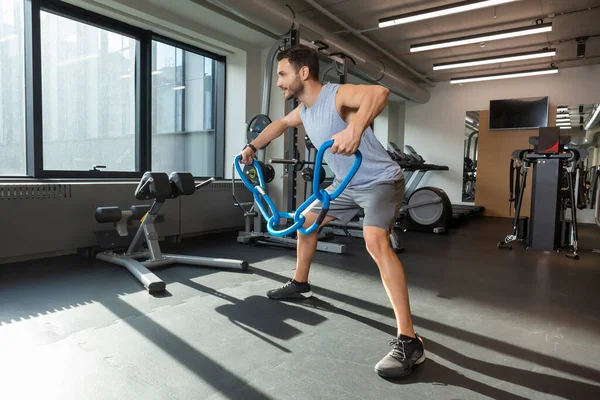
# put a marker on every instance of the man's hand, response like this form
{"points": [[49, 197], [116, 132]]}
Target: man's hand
{"points": [[346, 142], [247, 156]]}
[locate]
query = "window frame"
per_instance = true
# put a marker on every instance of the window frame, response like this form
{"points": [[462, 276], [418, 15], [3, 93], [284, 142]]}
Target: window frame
{"points": [[143, 92]]}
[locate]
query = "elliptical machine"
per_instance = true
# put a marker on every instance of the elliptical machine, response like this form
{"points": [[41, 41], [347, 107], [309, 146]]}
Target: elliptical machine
{"points": [[427, 208]]}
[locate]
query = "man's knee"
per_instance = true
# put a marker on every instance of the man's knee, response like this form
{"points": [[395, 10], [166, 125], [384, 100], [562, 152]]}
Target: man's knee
{"points": [[310, 218], [377, 240]]}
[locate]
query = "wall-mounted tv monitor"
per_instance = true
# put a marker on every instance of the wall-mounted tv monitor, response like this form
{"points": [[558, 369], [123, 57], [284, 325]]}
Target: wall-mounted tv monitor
{"points": [[527, 113]]}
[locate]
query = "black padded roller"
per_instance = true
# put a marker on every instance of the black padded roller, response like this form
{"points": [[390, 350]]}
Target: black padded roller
{"points": [[139, 211], [153, 185], [108, 214], [182, 183]]}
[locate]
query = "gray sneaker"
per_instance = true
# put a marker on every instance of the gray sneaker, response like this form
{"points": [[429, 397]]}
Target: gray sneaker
{"points": [[291, 290], [406, 353]]}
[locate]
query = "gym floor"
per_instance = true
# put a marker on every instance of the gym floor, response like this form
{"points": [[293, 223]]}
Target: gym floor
{"points": [[496, 324]]}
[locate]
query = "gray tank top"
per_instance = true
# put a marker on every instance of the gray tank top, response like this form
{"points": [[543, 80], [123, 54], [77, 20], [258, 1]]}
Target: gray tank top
{"points": [[322, 121]]}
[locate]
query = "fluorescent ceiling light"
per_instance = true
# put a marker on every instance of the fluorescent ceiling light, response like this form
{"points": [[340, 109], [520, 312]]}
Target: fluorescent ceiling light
{"points": [[565, 127], [563, 124], [484, 37], [562, 109], [439, 11], [469, 120], [563, 118], [592, 120], [508, 75], [498, 59], [178, 88]]}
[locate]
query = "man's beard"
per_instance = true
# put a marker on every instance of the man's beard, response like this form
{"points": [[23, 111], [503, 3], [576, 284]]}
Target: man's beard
{"points": [[294, 90]]}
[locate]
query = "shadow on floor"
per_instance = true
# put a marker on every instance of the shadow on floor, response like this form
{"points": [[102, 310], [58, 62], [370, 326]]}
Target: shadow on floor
{"points": [[432, 371]]}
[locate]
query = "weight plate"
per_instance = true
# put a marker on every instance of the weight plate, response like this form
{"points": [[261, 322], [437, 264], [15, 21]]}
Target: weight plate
{"points": [[255, 127], [250, 172]]}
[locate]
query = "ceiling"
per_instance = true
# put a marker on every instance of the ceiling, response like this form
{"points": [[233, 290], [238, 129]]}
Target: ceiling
{"points": [[573, 19]]}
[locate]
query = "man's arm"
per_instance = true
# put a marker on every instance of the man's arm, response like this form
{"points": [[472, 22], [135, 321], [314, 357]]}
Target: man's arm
{"points": [[272, 132], [277, 128], [370, 100]]}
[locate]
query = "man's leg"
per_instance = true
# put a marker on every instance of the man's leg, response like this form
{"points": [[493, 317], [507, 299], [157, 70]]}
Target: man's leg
{"points": [[298, 287], [381, 203], [307, 246], [392, 275], [408, 349]]}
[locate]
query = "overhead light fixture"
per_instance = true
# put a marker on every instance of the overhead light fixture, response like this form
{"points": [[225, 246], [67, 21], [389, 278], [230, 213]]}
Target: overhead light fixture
{"points": [[518, 74], [565, 127], [498, 59], [483, 37], [178, 88], [469, 120], [593, 119], [439, 11], [562, 109], [563, 119], [563, 124]]}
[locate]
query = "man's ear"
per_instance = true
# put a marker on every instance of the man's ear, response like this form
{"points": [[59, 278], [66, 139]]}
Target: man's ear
{"points": [[304, 73]]}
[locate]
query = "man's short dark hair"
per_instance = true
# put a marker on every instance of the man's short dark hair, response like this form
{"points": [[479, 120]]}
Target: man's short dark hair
{"points": [[302, 56]]}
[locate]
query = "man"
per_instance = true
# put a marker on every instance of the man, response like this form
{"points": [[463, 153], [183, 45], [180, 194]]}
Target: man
{"points": [[344, 113]]}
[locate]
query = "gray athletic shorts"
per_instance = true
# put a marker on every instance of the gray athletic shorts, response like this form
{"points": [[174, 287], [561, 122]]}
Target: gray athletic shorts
{"points": [[381, 203]]}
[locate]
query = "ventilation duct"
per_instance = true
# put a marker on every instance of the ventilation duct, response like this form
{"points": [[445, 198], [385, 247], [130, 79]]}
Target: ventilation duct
{"points": [[278, 19], [590, 135]]}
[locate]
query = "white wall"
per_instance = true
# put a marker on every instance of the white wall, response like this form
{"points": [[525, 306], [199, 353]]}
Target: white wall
{"points": [[389, 125], [235, 121], [436, 129], [381, 125]]}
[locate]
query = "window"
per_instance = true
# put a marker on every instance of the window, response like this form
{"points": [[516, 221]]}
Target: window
{"points": [[183, 96], [88, 95], [83, 95], [12, 89]]}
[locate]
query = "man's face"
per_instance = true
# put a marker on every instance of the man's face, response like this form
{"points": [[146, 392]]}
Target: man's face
{"points": [[289, 80]]}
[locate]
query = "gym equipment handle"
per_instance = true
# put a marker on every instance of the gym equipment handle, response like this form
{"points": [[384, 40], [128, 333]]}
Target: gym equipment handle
{"points": [[293, 161], [206, 182], [298, 217]]}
